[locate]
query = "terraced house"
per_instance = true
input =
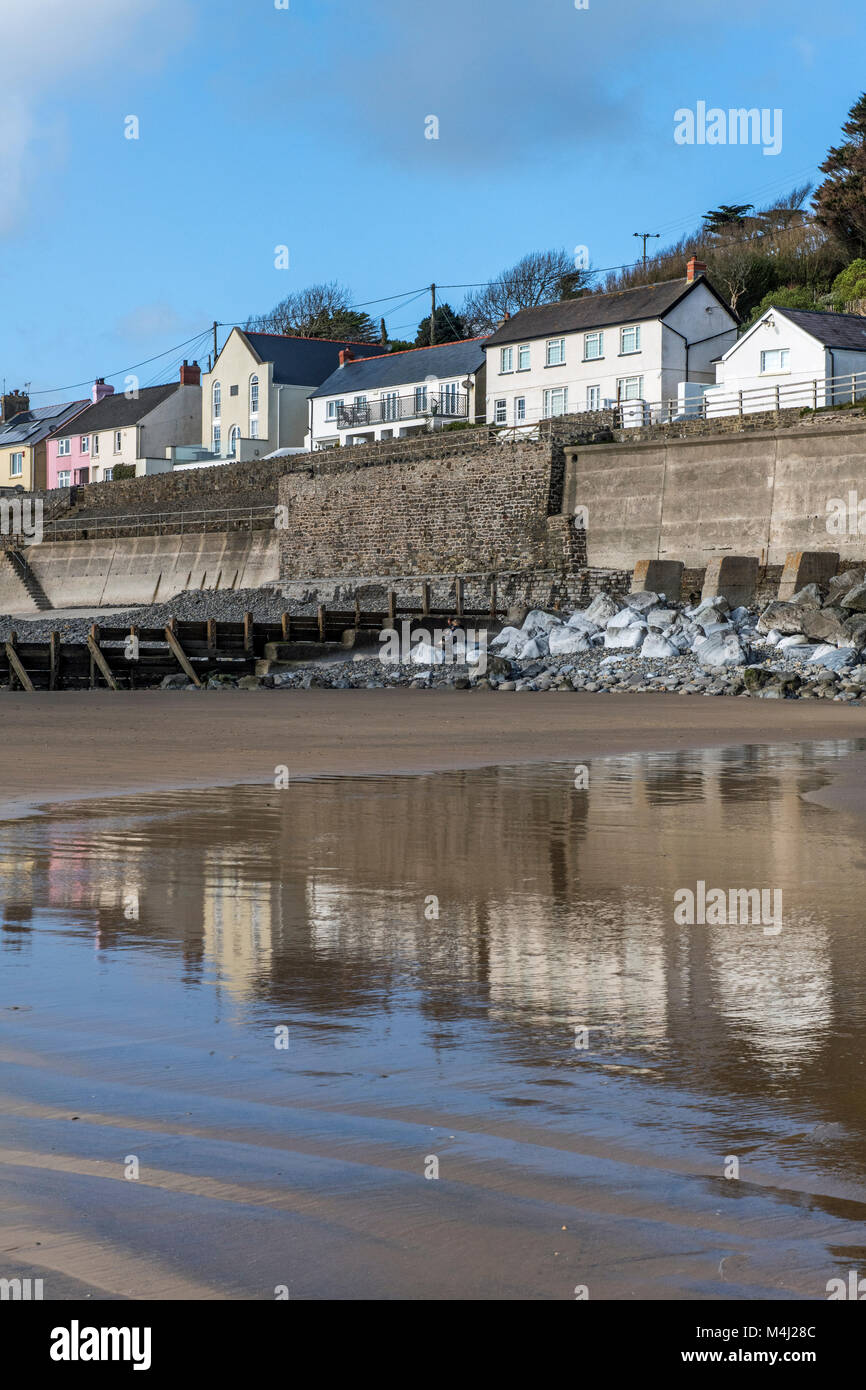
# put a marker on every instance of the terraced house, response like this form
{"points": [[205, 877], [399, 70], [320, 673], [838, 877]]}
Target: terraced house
{"points": [[24, 435], [601, 350], [139, 429]]}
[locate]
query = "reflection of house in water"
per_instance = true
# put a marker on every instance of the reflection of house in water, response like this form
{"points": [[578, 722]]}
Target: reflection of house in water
{"points": [[237, 920]]}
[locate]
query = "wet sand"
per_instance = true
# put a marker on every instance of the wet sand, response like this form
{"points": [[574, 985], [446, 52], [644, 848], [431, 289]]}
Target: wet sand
{"points": [[83, 744]]}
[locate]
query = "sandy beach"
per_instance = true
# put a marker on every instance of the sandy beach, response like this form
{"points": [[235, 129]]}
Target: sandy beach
{"points": [[77, 745]]}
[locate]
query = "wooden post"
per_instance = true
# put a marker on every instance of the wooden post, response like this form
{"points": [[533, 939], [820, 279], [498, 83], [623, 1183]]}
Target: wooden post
{"points": [[320, 618], [15, 665], [212, 636], [458, 596], [425, 598], [286, 625], [392, 609], [248, 633], [94, 637], [181, 655], [815, 394], [97, 660], [54, 661], [740, 401], [357, 611], [493, 597]]}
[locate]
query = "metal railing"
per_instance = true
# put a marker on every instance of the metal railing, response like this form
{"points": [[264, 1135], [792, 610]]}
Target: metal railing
{"points": [[447, 405], [160, 523]]}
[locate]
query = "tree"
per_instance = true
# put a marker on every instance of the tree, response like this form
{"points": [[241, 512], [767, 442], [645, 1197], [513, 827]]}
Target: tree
{"points": [[850, 284], [726, 216], [448, 327], [786, 297], [320, 311], [840, 201], [542, 277]]}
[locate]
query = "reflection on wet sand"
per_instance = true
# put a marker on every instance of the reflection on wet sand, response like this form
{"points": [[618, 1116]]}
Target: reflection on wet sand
{"points": [[432, 944]]}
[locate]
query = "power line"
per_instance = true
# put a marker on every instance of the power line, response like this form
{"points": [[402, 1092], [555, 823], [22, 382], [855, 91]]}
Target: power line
{"points": [[124, 371]]}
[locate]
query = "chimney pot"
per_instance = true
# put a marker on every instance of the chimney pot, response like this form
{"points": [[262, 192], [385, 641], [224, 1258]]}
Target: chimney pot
{"points": [[346, 355], [100, 390], [694, 269], [190, 374]]}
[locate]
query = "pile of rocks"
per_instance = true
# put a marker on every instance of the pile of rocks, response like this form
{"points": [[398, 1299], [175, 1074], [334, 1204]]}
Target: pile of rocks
{"points": [[194, 605]]}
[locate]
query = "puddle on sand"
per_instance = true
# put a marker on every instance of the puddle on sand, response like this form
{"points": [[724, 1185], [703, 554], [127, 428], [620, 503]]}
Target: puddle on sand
{"points": [[431, 944]]}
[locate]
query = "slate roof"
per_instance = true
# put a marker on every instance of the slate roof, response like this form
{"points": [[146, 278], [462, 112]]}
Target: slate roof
{"points": [[634, 305], [30, 427], [401, 368], [304, 361], [832, 330], [115, 412]]}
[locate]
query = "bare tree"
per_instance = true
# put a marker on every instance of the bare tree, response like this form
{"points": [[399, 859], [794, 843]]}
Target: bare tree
{"points": [[542, 277], [319, 311]]}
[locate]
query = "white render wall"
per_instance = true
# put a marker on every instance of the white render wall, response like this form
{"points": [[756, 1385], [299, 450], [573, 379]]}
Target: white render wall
{"points": [[660, 361], [809, 361], [235, 366], [326, 431]]}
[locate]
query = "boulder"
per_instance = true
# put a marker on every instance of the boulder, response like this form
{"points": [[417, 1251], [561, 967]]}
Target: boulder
{"points": [[582, 623], [564, 640], [656, 648], [722, 649], [538, 621], [660, 617], [175, 682], [625, 618], [855, 599], [642, 600], [842, 584], [836, 658], [425, 654], [530, 651], [823, 625], [855, 630], [625, 637], [602, 609], [796, 639], [507, 635], [785, 617]]}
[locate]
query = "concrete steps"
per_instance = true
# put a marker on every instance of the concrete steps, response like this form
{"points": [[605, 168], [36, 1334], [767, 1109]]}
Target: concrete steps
{"points": [[16, 561]]}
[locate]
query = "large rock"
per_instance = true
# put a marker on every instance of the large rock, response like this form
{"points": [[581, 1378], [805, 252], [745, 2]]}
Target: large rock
{"points": [[786, 617], [581, 623], [564, 640], [602, 609], [625, 637], [855, 630], [855, 599], [642, 600], [720, 650], [505, 637], [835, 658], [625, 618], [661, 617], [656, 648], [843, 583], [824, 625], [538, 621]]}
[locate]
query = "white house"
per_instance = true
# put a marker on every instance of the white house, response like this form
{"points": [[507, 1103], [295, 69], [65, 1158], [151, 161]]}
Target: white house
{"points": [[789, 357], [398, 394], [254, 400], [593, 352]]}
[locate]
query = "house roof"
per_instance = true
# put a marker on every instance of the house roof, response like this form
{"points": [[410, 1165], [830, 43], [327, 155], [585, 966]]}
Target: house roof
{"points": [[401, 368], [833, 330], [598, 311], [116, 411], [303, 361], [30, 427]]}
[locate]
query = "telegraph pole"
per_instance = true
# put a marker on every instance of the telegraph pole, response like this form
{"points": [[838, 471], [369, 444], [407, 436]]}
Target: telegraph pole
{"points": [[645, 237], [215, 353], [432, 315]]}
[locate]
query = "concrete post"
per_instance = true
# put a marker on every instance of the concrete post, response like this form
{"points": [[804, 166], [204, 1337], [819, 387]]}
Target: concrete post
{"points": [[735, 577], [804, 567], [660, 577]]}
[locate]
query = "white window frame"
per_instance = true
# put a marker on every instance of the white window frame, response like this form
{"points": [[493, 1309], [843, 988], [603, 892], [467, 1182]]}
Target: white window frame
{"points": [[555, 352], [107, 475], [217, 397], [420, 400], [333, 409], [254, 395], [783, 355], [94, 446], [390, 405], [217, 438], [596, 339], [634, 330], [64, 476], [593, 398], [549, 394], [524, 355], [16, 464], [118, 441], [506, 361], [84, 444], [234, 440], [624, 391], [519, 409], [449, 397], [500, 411], [64, 448]]}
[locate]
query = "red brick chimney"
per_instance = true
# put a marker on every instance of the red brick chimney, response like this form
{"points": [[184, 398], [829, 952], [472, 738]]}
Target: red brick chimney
{"points": [[346, 355], [100, 390], [12, 404], [694, 269], [190, 374]]}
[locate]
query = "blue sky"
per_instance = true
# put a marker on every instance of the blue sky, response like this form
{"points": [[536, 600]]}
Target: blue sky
{"points": [[304, 127]]}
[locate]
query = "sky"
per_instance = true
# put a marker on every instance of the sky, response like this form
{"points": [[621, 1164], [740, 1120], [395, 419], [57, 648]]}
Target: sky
{"points": [[303, 124]]}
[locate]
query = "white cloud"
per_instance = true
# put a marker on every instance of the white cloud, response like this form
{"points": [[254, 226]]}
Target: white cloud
{"points": [[44, 44]]}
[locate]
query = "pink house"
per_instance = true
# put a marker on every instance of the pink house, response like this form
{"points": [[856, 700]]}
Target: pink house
{"points": [[69, 457]]}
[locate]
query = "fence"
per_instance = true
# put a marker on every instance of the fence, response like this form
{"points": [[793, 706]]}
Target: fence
{"points": [[160, 523]]}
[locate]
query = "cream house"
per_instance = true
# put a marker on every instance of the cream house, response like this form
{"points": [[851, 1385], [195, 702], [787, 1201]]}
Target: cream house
{"points": [[398, 394], [254, 401], [603, 349]]}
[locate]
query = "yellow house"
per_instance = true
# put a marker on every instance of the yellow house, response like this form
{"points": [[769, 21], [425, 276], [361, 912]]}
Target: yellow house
{"points": [[23, 435]]}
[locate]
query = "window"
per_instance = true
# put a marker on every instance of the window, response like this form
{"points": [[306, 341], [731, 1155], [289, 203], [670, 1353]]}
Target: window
{"points": [[63, 477], [254, 429], [556, 401], [118, 441], [629, 339], [519, 409], [449, 398], [390, 405], [506, 360], [233, 390], [85, 444], [234, 439], [64, 447], [523, 357], [108, 474], [420, 399], [500, 412], [593, 397], [556, 352], [775, 360], [217, 439], [629, 388], [593, 346], [94, 446], [254, 395], [217, 400], [333, 408], [16, 465]]}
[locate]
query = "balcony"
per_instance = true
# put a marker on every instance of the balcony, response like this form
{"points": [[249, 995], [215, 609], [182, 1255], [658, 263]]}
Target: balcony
{"points": [[419, 405]]}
